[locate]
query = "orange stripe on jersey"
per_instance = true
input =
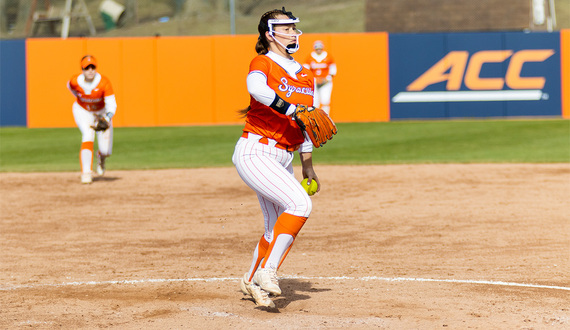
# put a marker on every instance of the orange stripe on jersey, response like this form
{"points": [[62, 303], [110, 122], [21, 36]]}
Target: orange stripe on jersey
{"points": [[263, 120], [96, 99]]}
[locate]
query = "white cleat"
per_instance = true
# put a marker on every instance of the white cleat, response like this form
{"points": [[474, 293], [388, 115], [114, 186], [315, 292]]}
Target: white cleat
{"points": [[86, 178], [266, 278], [260, 296], [100, 164]]}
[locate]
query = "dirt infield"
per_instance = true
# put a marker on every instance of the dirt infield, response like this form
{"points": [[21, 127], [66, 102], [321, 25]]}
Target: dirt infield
{"points": [[394, 246]]}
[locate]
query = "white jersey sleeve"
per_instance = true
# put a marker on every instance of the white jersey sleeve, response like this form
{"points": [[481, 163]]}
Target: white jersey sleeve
{"points": [[258, 88], [261, 92]]}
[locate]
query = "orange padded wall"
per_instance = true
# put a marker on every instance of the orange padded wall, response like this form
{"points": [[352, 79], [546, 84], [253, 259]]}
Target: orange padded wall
{"points": [[170, 81], [184, 75], [49, 65], [565, 66]]}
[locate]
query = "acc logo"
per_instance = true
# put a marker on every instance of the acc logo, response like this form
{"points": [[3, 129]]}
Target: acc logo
{"points": [[456, 67]]}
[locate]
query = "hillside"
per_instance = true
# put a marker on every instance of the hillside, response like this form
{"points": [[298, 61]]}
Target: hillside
{"points": [[162, 17], [170, 18]]}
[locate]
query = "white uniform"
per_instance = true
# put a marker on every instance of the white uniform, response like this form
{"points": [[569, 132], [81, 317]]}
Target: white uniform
{"points": [[323, 67], [263, 155], [94, 98]]}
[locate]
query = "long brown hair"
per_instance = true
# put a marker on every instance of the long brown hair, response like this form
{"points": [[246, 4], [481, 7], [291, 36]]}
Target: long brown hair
{"points": [[262, 45]]}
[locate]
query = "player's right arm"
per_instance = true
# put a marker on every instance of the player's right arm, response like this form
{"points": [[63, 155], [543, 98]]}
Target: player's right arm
{"points": [[259, 89], [307, 168], [72, 86]]}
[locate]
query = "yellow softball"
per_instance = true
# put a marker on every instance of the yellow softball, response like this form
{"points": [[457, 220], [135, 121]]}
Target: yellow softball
{"points": [[311, 189]]}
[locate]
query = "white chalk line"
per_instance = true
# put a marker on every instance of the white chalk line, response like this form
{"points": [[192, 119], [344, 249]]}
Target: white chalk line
{"points": [[337, 278]]}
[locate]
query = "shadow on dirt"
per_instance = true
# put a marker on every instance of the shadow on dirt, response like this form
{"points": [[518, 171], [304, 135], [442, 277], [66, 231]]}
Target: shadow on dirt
{"points": [[294, 290], [105, 178]]}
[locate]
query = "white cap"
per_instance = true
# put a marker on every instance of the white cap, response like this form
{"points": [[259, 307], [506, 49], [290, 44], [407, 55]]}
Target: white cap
{"points": [[318, 45]]}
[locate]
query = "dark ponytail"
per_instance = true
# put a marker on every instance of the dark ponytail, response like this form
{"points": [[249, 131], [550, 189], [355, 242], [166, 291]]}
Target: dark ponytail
{"points": [[262, 45], [243, 112]]}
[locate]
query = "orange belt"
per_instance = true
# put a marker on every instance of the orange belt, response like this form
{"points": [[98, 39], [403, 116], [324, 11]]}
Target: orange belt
{"points": [[265, 141]]}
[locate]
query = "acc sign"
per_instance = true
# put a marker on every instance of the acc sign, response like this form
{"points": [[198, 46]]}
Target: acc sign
{"points": [[456, 68]]}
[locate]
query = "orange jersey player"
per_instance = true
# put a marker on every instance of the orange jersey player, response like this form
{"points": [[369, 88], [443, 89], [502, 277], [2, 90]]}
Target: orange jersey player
{"points": [[91, 99], [323, 66], [264, 154], [292, 90], [94, 98]]}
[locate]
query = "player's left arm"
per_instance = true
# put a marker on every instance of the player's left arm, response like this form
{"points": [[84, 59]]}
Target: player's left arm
{"points": [[110, 102], [332, 71], [110, 107]]}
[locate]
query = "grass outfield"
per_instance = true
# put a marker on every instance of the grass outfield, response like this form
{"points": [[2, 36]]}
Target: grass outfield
{"points": [[477, 141]]}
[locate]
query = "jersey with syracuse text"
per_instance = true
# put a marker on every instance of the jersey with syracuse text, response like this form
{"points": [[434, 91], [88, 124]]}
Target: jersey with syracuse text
{"points": [[90, 99], [265, 121], [319, 65]]}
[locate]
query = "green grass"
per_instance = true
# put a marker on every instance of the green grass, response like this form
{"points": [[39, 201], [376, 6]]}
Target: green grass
{"points": [[481, 141], [485, 141]]}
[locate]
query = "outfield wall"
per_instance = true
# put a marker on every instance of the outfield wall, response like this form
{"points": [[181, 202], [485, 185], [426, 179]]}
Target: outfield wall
{"points": [[463, 75], [169, 81], [13, 83]]}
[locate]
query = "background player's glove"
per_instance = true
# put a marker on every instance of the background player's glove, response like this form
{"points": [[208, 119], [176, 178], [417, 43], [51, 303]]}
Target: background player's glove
{"points": [[101, 124], [316, 123]]}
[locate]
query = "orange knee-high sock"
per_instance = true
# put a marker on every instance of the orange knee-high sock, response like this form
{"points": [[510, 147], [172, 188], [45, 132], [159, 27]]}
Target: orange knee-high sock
{"points": [[88, 147], [284, 255], [286, 224], [261, 251]]}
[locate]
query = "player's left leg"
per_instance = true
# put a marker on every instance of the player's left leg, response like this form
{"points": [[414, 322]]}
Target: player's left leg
{"points": [[325, 93], [105, 146], [269, 172], [271, 212], [316, 97], [283, 233]]}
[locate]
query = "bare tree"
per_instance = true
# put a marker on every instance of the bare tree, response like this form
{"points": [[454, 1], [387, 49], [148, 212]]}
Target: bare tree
{"points": [[8, 14], [247, 7], [192, 8], [131, 12], [24, 7], [220, 5], [3, 17]]}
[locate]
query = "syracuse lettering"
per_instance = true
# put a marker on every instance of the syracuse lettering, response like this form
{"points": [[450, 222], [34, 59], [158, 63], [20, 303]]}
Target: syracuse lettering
{"points": [[285, 87], [456, 68], [97, 100]]}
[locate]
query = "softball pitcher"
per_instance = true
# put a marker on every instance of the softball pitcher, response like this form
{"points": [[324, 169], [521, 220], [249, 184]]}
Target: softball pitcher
{"points": [[263, 155], [93, 110], [323, 66]]}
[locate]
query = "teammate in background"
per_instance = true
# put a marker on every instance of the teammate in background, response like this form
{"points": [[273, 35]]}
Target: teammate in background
{"points": [[95, 99], [323, 66], [264, 153]]}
